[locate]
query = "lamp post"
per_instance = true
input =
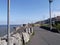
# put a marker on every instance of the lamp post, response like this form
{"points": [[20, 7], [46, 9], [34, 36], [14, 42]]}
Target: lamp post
{"points": [[50, 1], [8, 22]]}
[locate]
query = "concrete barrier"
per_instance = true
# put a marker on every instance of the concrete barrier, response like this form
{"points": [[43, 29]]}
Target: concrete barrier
{"points": [[16, 38], [3, 42], [26, 37]]}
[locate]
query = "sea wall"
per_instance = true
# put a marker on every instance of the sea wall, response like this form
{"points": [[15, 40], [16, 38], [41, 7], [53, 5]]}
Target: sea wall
{"points": [[17, 38]]}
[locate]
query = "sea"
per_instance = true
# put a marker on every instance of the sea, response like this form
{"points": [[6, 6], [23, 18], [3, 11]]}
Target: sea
{"points": [[3, 29]]}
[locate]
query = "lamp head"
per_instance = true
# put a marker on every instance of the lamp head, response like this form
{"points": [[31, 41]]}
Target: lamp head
{"points": [[50, 1]]}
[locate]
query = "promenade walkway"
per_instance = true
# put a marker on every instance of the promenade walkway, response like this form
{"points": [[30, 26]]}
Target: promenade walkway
{"points": [[44, 37]]}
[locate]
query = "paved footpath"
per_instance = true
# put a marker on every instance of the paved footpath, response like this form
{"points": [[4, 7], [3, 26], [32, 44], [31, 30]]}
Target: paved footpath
{"points": [[44, 37]]}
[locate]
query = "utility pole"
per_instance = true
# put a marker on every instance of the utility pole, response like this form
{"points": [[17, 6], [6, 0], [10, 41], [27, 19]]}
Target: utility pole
{"points": [[8, 22], [50, 1], [54, 19]]}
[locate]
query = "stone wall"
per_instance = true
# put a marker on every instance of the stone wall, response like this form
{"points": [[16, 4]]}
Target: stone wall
{"points": [[18, 38]]}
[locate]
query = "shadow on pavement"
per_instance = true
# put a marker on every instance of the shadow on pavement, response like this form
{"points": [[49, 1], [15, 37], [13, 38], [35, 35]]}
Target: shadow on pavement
{"points": [[48, 28]]}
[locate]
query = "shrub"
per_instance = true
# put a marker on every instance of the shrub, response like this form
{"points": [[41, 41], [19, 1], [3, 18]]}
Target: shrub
{"points": [[58, 26]]}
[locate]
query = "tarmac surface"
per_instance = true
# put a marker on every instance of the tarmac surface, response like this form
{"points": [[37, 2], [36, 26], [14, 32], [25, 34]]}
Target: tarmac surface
{"points": [[44, 37]]}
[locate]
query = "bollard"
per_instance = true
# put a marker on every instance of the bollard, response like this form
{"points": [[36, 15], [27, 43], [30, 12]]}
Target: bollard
{"points": [[32, 29], [26, 30], [29, 30]]}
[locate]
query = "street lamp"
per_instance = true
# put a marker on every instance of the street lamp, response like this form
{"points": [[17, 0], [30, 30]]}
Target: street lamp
{"points": [[50, 1], [8, 22]]}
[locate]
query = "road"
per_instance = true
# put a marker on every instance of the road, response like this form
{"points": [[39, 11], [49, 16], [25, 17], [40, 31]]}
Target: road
{"points": [[44, 37]]}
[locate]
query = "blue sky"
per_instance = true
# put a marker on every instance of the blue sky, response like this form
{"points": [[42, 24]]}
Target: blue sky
{"points": [[27, 11]]}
